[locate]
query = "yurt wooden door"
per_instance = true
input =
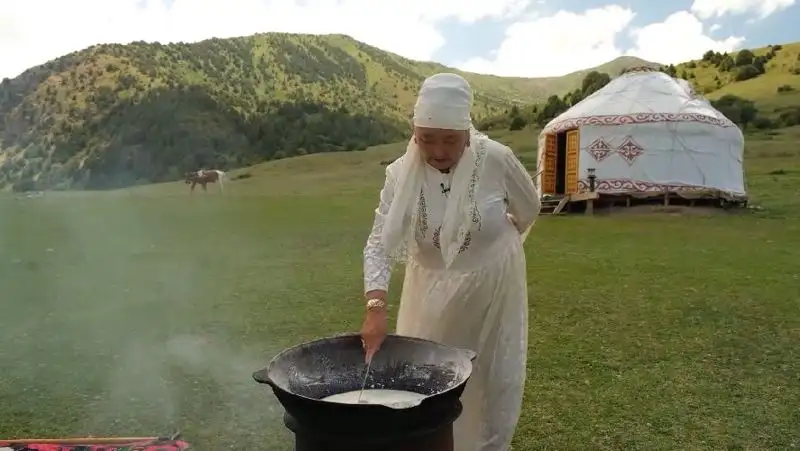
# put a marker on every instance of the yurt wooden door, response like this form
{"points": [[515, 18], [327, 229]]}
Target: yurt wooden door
{"points": [[549, 170], [572, 153]]}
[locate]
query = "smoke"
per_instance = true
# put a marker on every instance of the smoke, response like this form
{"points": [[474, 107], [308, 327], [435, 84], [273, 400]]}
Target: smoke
{"points": [[122, 318], [184, 381]]}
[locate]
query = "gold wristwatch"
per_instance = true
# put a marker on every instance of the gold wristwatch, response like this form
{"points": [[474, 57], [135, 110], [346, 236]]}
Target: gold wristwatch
{"points": [[374, 304]]}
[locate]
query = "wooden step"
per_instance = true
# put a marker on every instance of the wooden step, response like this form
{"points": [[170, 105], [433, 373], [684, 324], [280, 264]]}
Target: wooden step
{"points": [[551, 201], [561, 205], [553, 205]]}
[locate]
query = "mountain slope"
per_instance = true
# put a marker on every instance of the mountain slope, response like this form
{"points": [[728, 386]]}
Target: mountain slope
{"points": [[769, 76], [757, 88], [115, 115]]}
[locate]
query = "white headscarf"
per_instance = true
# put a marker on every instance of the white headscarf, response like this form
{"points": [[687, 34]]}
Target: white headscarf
{"points": [[444, 102]]}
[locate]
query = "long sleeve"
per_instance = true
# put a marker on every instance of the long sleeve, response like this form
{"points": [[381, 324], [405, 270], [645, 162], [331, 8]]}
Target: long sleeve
{"points": [[377, 265], [524, 202]]}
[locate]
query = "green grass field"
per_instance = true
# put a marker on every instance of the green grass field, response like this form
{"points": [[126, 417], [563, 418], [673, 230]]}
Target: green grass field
{"points": [[142, 311]]}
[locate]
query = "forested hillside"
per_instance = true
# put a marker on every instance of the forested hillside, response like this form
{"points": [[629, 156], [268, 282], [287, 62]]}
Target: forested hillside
{"points": [[768, 77], [756, 89], [116, 115]]}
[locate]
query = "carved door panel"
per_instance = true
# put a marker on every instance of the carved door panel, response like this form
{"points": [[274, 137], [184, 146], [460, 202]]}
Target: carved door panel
{"points": [[573, 154], [549, 163]]}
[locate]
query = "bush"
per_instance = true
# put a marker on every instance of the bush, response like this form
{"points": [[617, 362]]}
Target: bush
{"points": [[726, 63], [517, 123], [765, 123], [747, 72], [790, 117], [739, 110], [744, 58], [24, 185]]}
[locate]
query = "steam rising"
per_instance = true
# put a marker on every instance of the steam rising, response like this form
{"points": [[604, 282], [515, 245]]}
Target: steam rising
{"points": [[121, 318]]}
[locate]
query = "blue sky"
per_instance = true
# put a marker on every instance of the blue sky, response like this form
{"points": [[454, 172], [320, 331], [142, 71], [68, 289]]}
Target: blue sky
{"points": [[777, 28], [504, 37]]}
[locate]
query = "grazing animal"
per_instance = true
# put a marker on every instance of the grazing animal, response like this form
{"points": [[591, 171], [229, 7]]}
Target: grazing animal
{"points": [[204, 177]]}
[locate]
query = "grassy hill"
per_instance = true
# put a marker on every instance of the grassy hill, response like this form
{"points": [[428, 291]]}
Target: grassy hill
{"points": [[116, 115], [757, 88], [120, 115], [771, 78]]}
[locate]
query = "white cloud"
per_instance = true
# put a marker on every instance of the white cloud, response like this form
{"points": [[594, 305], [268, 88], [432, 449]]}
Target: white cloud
{"points": [[558, 44], [706, 9], [567, 42], [714, 27], [678, 38], [34, 31]]}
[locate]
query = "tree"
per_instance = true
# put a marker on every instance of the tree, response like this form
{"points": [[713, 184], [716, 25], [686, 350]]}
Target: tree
{"points": [[790, 117], [726, 63], [554, 106], [574, 97], [740, 111], [593, 82], [671, 70], [759, 63], [744, 57], [747, 72], [517, 123]]}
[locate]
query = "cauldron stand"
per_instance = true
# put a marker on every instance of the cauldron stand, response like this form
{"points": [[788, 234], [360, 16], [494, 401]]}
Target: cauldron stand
{"points": [[439, 438]]}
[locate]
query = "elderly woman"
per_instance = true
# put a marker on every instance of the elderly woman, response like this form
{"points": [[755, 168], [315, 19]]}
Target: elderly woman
{"points": [[455, 209]]}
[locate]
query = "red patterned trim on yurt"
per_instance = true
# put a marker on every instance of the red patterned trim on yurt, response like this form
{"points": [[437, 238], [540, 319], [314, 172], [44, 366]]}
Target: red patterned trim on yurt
{"points": [[632, 119], [628, 185]]}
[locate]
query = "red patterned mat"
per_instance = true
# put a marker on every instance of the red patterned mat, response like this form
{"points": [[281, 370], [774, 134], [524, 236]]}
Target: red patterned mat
{"points": [[95, 444]]}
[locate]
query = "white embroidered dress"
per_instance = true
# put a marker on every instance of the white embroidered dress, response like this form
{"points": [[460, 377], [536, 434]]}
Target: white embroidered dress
{"points": [[480, 302]]}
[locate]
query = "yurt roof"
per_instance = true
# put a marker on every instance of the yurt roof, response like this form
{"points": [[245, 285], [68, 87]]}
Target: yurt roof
{"points": [[640, 95]]}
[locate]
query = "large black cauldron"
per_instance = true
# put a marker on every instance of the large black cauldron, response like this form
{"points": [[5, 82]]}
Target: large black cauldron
{"points": [[300, 376]]}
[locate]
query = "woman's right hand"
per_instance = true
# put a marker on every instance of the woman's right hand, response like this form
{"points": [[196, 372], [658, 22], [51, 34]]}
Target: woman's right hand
{"points": [[374, 328]]}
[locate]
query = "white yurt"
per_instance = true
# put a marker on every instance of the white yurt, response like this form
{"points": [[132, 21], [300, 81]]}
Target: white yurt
{"points": [[645, 133]]}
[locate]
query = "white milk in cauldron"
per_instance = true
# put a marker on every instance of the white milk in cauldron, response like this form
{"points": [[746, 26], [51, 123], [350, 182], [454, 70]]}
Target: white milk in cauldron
{"points": [[396, 399]]}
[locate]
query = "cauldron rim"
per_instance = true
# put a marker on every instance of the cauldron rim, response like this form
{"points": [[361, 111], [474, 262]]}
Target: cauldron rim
{"points": [[263, 375]]}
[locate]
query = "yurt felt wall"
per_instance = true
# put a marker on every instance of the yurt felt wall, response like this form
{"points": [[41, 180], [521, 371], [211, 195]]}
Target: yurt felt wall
{"points": [[644, 132]]}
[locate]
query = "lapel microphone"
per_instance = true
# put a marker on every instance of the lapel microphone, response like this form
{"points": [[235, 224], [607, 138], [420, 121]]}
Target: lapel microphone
{"points": [[445, 190]]}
